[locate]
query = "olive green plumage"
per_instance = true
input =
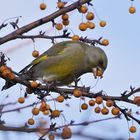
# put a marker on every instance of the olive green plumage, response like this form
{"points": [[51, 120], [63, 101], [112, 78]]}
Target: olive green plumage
{"points": [[64, 62]]}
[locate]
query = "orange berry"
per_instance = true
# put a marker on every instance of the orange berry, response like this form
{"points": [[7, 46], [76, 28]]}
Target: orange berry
{"points": [[46, 112], [60, 5], [97, 109], [132, 129], [91, 102], [55, 113], [109, 103], [75, 37], [65, 17], [99, 100], [137, 100], [102, 23], [51, 137], [90, 16], [83, 9], [90, 25], [66, 133], [42, 6], [44, 106], [65, 22], [84, 106], [77, 93], [31, 121], [115, 111], [35, 53], [60, 98], [132, 9], [105, 42], [21, 100], [59, 26], [6, 72], [3, 68], [82, 26], [35, 111], [34, 84], [104, 111]]}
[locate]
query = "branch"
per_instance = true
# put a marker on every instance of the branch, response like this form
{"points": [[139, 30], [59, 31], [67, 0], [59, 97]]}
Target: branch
{"points": [[42, 21]]}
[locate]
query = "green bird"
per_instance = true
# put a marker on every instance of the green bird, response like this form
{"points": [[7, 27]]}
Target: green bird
{"points": [[66, 61]]}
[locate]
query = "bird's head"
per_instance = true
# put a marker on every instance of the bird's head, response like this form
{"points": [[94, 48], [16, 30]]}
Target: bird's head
{"points": [[97, 61]]}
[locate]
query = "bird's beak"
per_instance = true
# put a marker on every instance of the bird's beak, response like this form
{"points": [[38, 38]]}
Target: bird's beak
{"points": [[97, 72]]}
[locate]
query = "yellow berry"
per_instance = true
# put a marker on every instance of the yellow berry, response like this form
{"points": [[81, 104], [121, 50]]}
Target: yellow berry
{"points": [[59, 26], [31, 121], [90, 16], [75, 37], [90, 25], [46, 112], [115, 111], [132, 9], [21, 100], [132, 129], [82, 26], [35, 53], [35, 111], [105, 42], [102, 23], [44, 106], [42, 6]]}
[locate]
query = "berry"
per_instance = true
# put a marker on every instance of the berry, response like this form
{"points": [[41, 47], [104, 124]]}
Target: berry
{"points": [[65, 22], [35, 111], [51, 137], [90, 16], [105, 42], [55, 113], [34, 84], [65, 17], [66, 133], [75, 37], [35, 53], [60, 98], [82, 26], [83, 9], [132, 9], [60, 5], [42, 6], [90, 25], [137, 100], [44, 106], [99, 100], [59, 26], [115, 111], [97, 109], [102, 23], [84, 106], [31, 121], [132, 129], [77, 93], [91, 102], [104, 111], [21, 100], [109, 103], [46, 112]]}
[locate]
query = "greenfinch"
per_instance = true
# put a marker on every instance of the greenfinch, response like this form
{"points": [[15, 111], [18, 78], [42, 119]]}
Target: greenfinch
{"points": [[66, 61]]}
